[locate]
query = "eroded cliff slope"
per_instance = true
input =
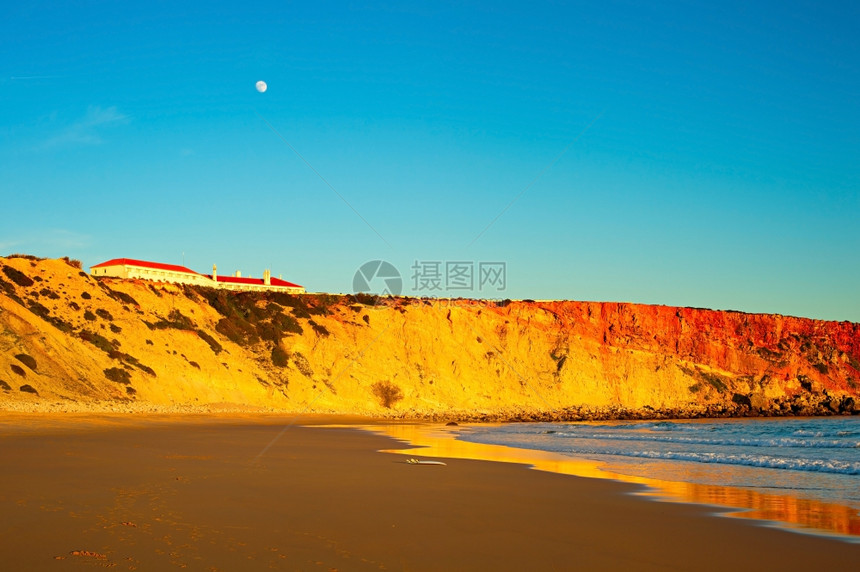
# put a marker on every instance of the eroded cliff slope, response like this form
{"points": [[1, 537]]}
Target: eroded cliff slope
{"points": [[68, 339]]}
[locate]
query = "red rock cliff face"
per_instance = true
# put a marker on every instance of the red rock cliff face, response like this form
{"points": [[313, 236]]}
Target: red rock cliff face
{"points": [[764, 362], [70, 339]]}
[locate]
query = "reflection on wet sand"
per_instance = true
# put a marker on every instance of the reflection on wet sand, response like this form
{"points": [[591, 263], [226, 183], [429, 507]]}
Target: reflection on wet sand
{"points": [[786, 511]]}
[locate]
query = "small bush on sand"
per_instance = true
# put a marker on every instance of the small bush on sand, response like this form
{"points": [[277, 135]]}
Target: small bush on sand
{"points": [[86, 295], [89, 316], [4, 386], [387, 393], [29, 389], [18, 370]]}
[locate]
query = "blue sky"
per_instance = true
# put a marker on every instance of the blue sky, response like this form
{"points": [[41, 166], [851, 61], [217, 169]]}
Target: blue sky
{"points": [[687, 154]]}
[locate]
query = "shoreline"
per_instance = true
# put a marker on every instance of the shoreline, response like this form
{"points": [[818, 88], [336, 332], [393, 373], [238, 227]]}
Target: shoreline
{"points": [[815, 517], [197, 493]]}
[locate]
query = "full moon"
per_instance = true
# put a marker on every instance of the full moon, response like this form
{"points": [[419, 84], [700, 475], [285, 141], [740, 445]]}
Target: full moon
{"points": [[261, 86]]}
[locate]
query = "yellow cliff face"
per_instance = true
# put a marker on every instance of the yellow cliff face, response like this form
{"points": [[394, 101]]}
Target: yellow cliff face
{"points": [[67, 338]]}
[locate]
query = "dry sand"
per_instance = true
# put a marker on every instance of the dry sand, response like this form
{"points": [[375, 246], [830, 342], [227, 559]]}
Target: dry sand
{"points": [[157, 493]]}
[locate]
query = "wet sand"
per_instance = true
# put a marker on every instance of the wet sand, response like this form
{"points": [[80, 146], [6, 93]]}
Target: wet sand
{"points": [[163, 493]]}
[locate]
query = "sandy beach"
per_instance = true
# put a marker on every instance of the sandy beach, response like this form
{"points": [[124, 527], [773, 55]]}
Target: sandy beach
{"points": [[156, 493]]}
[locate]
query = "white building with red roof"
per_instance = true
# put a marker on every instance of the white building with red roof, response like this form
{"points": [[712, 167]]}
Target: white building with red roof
{"points": [[131, 269]]}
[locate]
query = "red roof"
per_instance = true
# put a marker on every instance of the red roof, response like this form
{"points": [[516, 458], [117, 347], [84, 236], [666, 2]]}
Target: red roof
{"points": [[254, 281], [145, 264], [175, 268]]}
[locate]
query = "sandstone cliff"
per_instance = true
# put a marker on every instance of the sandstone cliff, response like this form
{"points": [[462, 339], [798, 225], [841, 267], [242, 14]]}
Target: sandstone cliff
{"points": [[69, 341]]}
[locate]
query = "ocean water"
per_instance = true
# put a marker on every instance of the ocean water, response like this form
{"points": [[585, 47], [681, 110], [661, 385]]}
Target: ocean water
{"points": [[814, 463]]}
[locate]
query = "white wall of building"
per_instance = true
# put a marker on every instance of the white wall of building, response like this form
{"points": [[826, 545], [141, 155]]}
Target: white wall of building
{"points": [[130, 272]]}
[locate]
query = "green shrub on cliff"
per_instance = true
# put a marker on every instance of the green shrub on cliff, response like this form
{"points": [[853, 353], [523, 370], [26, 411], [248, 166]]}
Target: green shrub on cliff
{"points": [[238, 331], [48, 293], [714, 380], [118, 375], [280, 358], [97, 340], [9, 290], [117, 295], [45, 314], [175, 320], [318, 328], [27, 360], [30, 257], [287, 323], [104, 314], [246, 321], [17, 276], [366, 299], [213, 343], [302, 364]]}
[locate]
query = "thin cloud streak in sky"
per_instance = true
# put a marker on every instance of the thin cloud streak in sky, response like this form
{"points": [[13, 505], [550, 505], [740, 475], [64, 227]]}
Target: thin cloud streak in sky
{"points": [[30, 77], [55, 240], [6, 246], [87, 130]]}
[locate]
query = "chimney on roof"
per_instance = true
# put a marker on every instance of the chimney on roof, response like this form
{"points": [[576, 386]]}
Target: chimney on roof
{"points": [[215, 273], [238, 274], [267, 277]]}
